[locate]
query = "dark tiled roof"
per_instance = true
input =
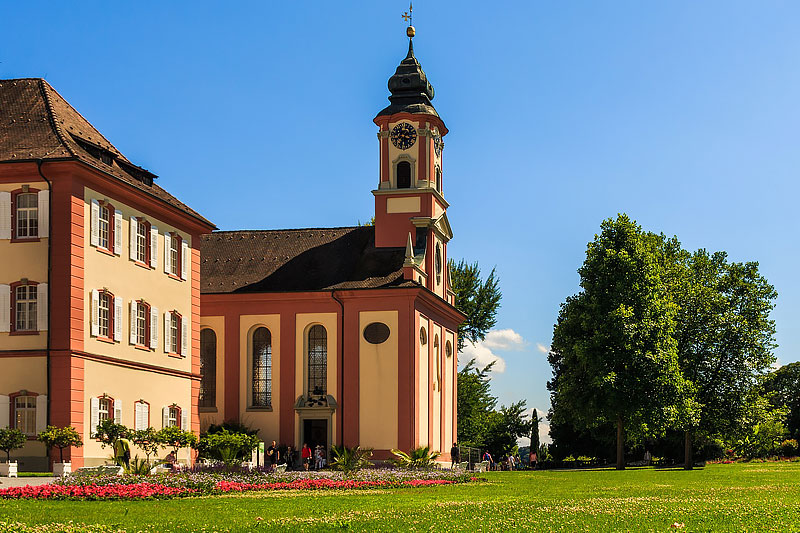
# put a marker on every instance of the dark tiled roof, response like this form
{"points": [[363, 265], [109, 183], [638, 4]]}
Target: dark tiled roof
{"points": [[298, 260], [37, 123]]}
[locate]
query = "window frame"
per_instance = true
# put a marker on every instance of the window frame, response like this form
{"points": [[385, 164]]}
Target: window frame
{"points": [[14, 202], [143, 305], [176, 332], [142, 222], [105, 399], [13, 329], [312, 386], [109, 296], [142, 402], [12, 421], [178, 415], [176, 260], [112, 212], [207, 398], [267, 370]]}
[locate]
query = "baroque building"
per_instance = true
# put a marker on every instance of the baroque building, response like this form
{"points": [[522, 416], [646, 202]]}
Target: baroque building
{"points": [[118, 301]]}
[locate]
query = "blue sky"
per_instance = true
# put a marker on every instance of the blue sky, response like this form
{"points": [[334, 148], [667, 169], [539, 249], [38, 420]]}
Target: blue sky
{"points": [[682, 114]]}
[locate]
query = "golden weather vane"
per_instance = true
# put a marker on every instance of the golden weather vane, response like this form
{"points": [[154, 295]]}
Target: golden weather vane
{"points": [[407, 16]]}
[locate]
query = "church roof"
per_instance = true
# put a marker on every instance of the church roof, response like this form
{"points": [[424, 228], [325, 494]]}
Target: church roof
{"points": [[292, 260], [37, 123], [410, 88]]}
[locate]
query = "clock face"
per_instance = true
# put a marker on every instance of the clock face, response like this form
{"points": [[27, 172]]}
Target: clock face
{"points": [[404, 135], [437, 144]]}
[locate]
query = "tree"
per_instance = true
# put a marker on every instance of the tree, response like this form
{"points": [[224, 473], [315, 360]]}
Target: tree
{"points": [[782, 387], [477, 299], [226, 446], [535, 419], [11, 439], [60, 438], [613, 355], [475, 402], [725, 339], [504, 427], [147, 440], [108, 432], [176, 438]]}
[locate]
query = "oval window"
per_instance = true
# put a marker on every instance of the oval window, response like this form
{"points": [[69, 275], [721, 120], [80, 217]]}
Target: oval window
{"points": [[376, 333], [448, 349], [423, 337]]}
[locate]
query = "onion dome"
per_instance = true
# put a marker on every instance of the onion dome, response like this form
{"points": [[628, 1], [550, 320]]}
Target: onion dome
{"points": [[410, 88]]}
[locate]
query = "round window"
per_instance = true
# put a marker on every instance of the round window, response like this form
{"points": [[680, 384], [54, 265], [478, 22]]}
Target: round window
{"points": [[376, 333], [423, 337]]}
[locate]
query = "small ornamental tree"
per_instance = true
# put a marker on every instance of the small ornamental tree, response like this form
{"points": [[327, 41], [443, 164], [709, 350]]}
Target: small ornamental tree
{"points": [[176, 438], [147, 440], [11, 439], [108, 432], [60, 438]]}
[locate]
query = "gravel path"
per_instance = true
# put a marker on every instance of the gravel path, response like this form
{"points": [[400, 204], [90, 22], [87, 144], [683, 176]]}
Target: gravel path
{"points": [[6, 482]]}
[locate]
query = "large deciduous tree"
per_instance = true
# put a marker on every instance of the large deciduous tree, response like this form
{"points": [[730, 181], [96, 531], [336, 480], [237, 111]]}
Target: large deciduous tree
{"points": [[613, 355], [478, 299], [782, 387]]}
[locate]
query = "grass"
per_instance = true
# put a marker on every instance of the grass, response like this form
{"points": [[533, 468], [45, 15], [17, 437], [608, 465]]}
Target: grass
{"points": [[736, 497]]}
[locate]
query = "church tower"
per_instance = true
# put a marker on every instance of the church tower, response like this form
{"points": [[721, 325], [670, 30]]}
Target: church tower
{"points": [[410, 209]]}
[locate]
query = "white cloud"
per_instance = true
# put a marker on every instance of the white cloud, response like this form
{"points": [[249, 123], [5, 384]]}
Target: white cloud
{"points": [[777, 364], [504, 339], [542, 348], [483, 356], [544, 429]]}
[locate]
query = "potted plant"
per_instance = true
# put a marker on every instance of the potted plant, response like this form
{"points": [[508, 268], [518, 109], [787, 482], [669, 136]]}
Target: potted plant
{"points": [[60, 438], [10, 439]]}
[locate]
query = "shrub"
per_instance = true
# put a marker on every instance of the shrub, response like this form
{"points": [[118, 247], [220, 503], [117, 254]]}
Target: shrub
{"points": [[421, 457], [789, 448], [350, 460], [226, 446], [176, 438], [60, 438], [11, 439]]}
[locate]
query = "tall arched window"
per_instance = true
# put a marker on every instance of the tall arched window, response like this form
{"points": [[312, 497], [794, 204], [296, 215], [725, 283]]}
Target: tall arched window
{"points": [[438, 363], [438, 179], [403, 175], [317, 360], [208, 368], [262, 368]]}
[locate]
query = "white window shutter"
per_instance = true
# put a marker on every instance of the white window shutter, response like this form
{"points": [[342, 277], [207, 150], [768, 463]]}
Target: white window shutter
{"points": [[5, 410], [5, 308], [145, 415], [118, 411], [139, 422], [94, 311], [117, 232], [184, 259], [184, 419], [117, 318], [95, 222], [95, 416], [41, 306], [165, 416], [41, 413], [132, 245], [134, 310], [184, 336], [167, 330], [153, 328], [44, 213], [5, 215], [167, 254], [153, 247]]}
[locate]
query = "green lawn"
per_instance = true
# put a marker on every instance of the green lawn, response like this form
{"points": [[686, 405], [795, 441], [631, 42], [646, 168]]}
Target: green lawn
{"points": [[739, 497]]}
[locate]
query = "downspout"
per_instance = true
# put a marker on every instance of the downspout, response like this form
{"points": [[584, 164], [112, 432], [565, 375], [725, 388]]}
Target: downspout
{"points": [[49, 273], [340, 370]]}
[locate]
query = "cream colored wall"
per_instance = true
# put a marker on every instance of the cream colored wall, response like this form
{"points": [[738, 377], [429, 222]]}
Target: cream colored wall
{"points": [[412, 152], [130, 385], [304, 321], [403, 205], [216, 323], [267, 422], [130, 281], [377, 383], [18, 373], [436, 390], [424, 383], [448, 398], [23, 260]]}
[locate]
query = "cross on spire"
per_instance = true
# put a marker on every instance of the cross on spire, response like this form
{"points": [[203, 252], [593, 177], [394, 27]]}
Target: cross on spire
{"points": [[408, 15]]}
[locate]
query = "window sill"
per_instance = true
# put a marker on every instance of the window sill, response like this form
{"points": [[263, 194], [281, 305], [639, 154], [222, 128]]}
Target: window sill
{"points": [[252, 409], [207, 409], [143, 347], [105, 251], [25, 239], [175, 355], [176, 278], [105, 339], [143, 265], [22, 333]]}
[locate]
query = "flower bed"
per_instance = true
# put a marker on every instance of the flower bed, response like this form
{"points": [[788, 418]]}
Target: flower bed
{"points": [[172, 485]]}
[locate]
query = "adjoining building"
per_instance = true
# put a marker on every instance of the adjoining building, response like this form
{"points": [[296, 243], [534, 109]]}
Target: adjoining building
{"points": [[324, 335]]}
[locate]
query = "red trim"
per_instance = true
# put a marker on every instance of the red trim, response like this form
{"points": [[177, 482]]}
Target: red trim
{"points": [[14, 194], [12, 418], [14, 331], [111, 227], [111, 318], [178, 418], [22, 353], [177, 265], [147, 326], [148, 243], [179, 340], [148, 413], [134, 365]]}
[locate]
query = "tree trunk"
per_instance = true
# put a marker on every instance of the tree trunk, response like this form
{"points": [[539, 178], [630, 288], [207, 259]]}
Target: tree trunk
{"points": [[620, 446], [61, 451], [688, 460]]}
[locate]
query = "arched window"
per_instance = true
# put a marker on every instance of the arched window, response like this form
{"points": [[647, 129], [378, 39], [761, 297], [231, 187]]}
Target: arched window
{"points": [[262, 368], [208, 368], [438, 363], [317, 360], [27, 215], [438, 179], [403, 175]]}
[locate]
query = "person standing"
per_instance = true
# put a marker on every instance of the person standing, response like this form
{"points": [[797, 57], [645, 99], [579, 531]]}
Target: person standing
{"points": [[273, 455], [289, 458], [122, 452], [534, 459], [305, 454], [455, 455], [487, 457]]}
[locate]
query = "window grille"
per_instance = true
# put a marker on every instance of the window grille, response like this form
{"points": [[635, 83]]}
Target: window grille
{"points": [[208, 368], [317, 360], [262, 368]]}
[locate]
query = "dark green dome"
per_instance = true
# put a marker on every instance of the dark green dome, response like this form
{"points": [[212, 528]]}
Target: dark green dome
{"points": [[410, 88]]}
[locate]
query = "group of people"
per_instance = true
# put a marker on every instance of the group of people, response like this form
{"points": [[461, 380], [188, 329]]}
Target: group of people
{"points": [[310, 459], [507, 462]]}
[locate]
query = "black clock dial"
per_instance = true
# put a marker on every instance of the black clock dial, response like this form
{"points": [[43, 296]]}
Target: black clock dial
{"points": [[404, 135]]}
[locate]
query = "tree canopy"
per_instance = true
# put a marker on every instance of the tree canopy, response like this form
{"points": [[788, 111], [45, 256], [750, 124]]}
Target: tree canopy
{"points": [[478, 299]]}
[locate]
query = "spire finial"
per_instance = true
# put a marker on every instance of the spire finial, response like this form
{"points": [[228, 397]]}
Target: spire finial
{"points": [[408, 16]]}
